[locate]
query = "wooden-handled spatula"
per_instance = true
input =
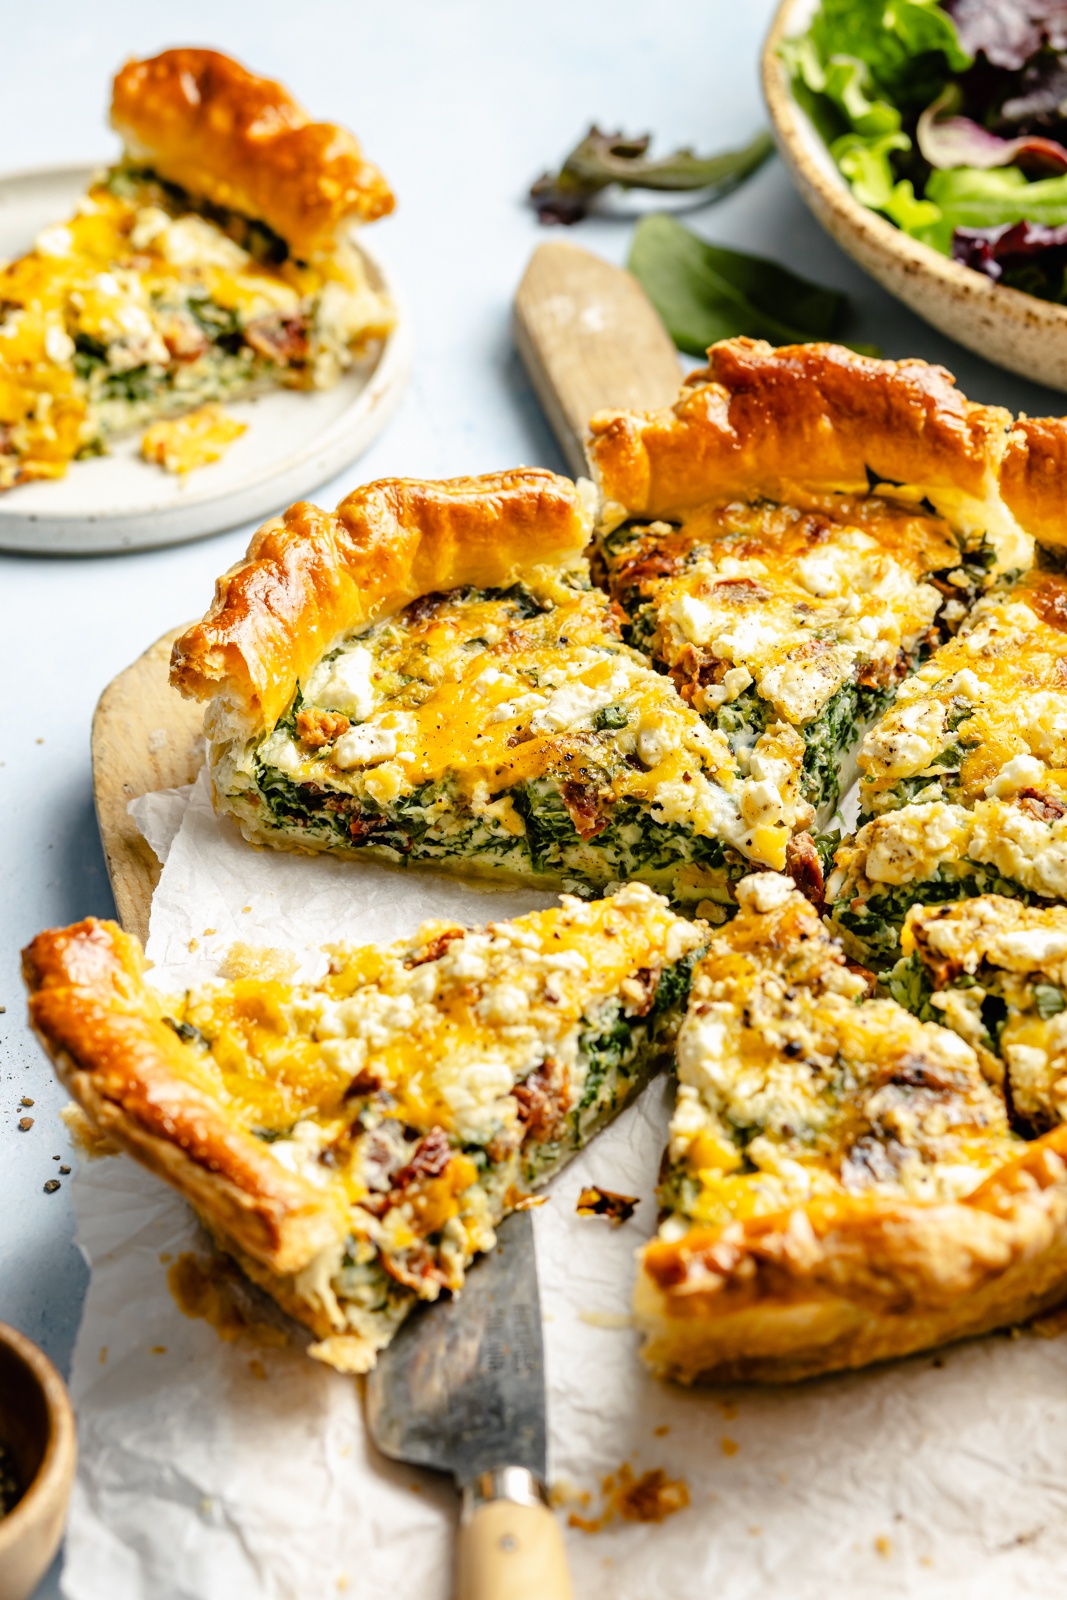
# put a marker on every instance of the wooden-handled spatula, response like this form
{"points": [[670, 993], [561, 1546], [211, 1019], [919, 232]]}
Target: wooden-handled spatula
{"points": [[591, 341]]}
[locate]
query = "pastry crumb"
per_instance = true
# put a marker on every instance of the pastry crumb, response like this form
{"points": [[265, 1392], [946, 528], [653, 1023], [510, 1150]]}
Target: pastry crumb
{"points": [[729, 1447], [597, 1202], [606, 1319], [182, 444], [883, 1546], [86, 1139], [652, 1497], [258, 961]]}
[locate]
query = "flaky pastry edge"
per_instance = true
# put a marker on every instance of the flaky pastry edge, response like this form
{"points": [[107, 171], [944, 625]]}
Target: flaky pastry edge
{"points": [[201, 120], [760, 420]]}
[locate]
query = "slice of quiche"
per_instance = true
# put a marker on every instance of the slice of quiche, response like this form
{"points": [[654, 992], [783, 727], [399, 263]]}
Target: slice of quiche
{"points": [[428, 677], [213, 260], [807, 613], [996, 972], [792, 537], [965, 778], [842, 1184], [353, 1142]]}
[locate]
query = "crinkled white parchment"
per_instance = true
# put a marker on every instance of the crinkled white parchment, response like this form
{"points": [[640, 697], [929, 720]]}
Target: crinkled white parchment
{"points": [[230, 1471]]}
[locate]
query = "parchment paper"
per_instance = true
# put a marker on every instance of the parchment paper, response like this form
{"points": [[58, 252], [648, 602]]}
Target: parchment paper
{"points": [[233, 1471]]}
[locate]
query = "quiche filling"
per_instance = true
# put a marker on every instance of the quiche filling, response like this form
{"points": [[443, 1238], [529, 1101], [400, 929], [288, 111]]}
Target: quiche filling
{"points": [[987, 715], [148, 302], [965, 778], [426, 1088], [996, 972], [806, 615], [514, 731], [794, 1087]]}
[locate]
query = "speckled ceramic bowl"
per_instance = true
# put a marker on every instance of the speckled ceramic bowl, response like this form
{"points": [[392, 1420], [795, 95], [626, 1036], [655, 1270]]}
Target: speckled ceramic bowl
{"points": [[37, 1426], [1017, 331]]}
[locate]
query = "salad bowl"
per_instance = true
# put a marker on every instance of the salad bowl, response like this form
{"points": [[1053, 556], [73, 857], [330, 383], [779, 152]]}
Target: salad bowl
{"points": [[1015, 330]]}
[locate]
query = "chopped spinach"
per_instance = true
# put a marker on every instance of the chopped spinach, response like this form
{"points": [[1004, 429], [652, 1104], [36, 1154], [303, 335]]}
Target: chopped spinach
{"points": [[1049, 1000], [613, 716]]}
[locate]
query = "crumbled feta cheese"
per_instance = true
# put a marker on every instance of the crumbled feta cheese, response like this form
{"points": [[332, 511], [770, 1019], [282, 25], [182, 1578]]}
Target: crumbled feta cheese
{"points": [[1020, 772], [764, 891], [364, 746], [345, 684]]}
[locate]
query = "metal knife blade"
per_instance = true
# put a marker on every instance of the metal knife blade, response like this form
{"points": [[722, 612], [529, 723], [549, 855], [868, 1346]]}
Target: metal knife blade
{"points": [[462, 1386]]}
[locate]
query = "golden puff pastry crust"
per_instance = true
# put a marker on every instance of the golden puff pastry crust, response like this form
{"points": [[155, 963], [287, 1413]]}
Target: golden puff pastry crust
{"points": [[312, 575], [203, 121], [841, 1284], [104, 1030], [758, 420]]}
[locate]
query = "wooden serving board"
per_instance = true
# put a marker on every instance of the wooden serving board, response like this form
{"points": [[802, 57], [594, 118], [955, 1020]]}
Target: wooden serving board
{"points": [[590, 340]]}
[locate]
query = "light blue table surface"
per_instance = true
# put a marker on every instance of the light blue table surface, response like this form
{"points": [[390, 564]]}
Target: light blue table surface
{"points": [[462, 103]]}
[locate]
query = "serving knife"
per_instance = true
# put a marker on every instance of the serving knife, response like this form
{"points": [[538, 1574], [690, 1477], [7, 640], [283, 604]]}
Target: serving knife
{"points": [[462, 1389]]}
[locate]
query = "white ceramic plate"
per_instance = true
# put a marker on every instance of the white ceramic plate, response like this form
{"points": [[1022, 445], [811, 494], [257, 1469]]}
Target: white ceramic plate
{"points": [[295, 440]]}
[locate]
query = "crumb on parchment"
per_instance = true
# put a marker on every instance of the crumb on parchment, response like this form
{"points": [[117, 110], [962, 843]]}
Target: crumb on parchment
{"points": [[258, 961], [652, 1497]]}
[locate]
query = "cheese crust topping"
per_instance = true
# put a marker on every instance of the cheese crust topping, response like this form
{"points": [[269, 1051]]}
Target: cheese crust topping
{"points": [[808, 612], [793, 1085], [514, 730]]}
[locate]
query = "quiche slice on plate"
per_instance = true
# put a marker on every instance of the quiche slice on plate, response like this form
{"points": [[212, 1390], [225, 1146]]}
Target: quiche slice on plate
{"points": [[428, 677], [843, 1184], [797, 533], [353, 1142], [965, 778], [213, 260]]}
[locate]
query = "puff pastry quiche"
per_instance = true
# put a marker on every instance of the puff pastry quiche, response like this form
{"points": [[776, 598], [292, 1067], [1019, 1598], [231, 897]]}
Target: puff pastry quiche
{"points": [[428, 676], [843, 1184], [354, 1142], [213, 260]]}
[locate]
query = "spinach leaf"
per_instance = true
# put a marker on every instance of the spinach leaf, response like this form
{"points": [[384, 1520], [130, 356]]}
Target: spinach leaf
{"points": [[704, 292]]}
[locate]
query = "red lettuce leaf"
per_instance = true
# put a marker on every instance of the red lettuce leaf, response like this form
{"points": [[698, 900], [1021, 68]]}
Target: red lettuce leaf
{"points": [[954, 141], [1002, 252], [1009, 32]]}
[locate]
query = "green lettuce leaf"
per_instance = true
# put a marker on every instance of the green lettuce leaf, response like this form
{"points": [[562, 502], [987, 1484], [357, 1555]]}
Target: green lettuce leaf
{"points": [[909, 46], [968, 197], [704, 292]]}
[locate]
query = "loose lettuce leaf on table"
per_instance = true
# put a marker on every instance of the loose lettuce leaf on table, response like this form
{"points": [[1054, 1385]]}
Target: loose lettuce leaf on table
{"points": [[601, 159], [705, 292]]}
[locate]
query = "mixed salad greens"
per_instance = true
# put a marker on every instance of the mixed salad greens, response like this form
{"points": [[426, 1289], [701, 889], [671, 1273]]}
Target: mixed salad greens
{"points": [[950, 118]]}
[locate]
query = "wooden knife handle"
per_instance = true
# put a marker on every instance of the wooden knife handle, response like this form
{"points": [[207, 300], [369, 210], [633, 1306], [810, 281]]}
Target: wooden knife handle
{"points": [[590, 341], [510, 1545]]}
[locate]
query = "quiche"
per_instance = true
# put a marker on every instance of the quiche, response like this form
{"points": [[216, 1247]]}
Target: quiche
{"points": [[353, 1142], [428, 677], [965, 778], [803, 527], [214, 259], [996, 972], [843, 1184]]}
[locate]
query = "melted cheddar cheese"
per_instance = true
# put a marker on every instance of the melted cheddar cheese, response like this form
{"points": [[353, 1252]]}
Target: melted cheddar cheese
{"points": [[794, 1086], [986, 717], [140, 305], [514, 730], [808, 613], [429, 1085], [996, 972]]}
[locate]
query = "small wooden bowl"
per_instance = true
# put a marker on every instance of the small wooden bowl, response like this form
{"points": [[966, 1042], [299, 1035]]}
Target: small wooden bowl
{"points": [[1016, 330], [37, 1426]]}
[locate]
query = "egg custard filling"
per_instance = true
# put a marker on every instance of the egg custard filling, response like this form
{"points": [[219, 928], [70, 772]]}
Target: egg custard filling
{"points": [[355, 1141], [964, 780], [149, 302], [806, 614], [805, 1110], [512, 731], [996, 972]]}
